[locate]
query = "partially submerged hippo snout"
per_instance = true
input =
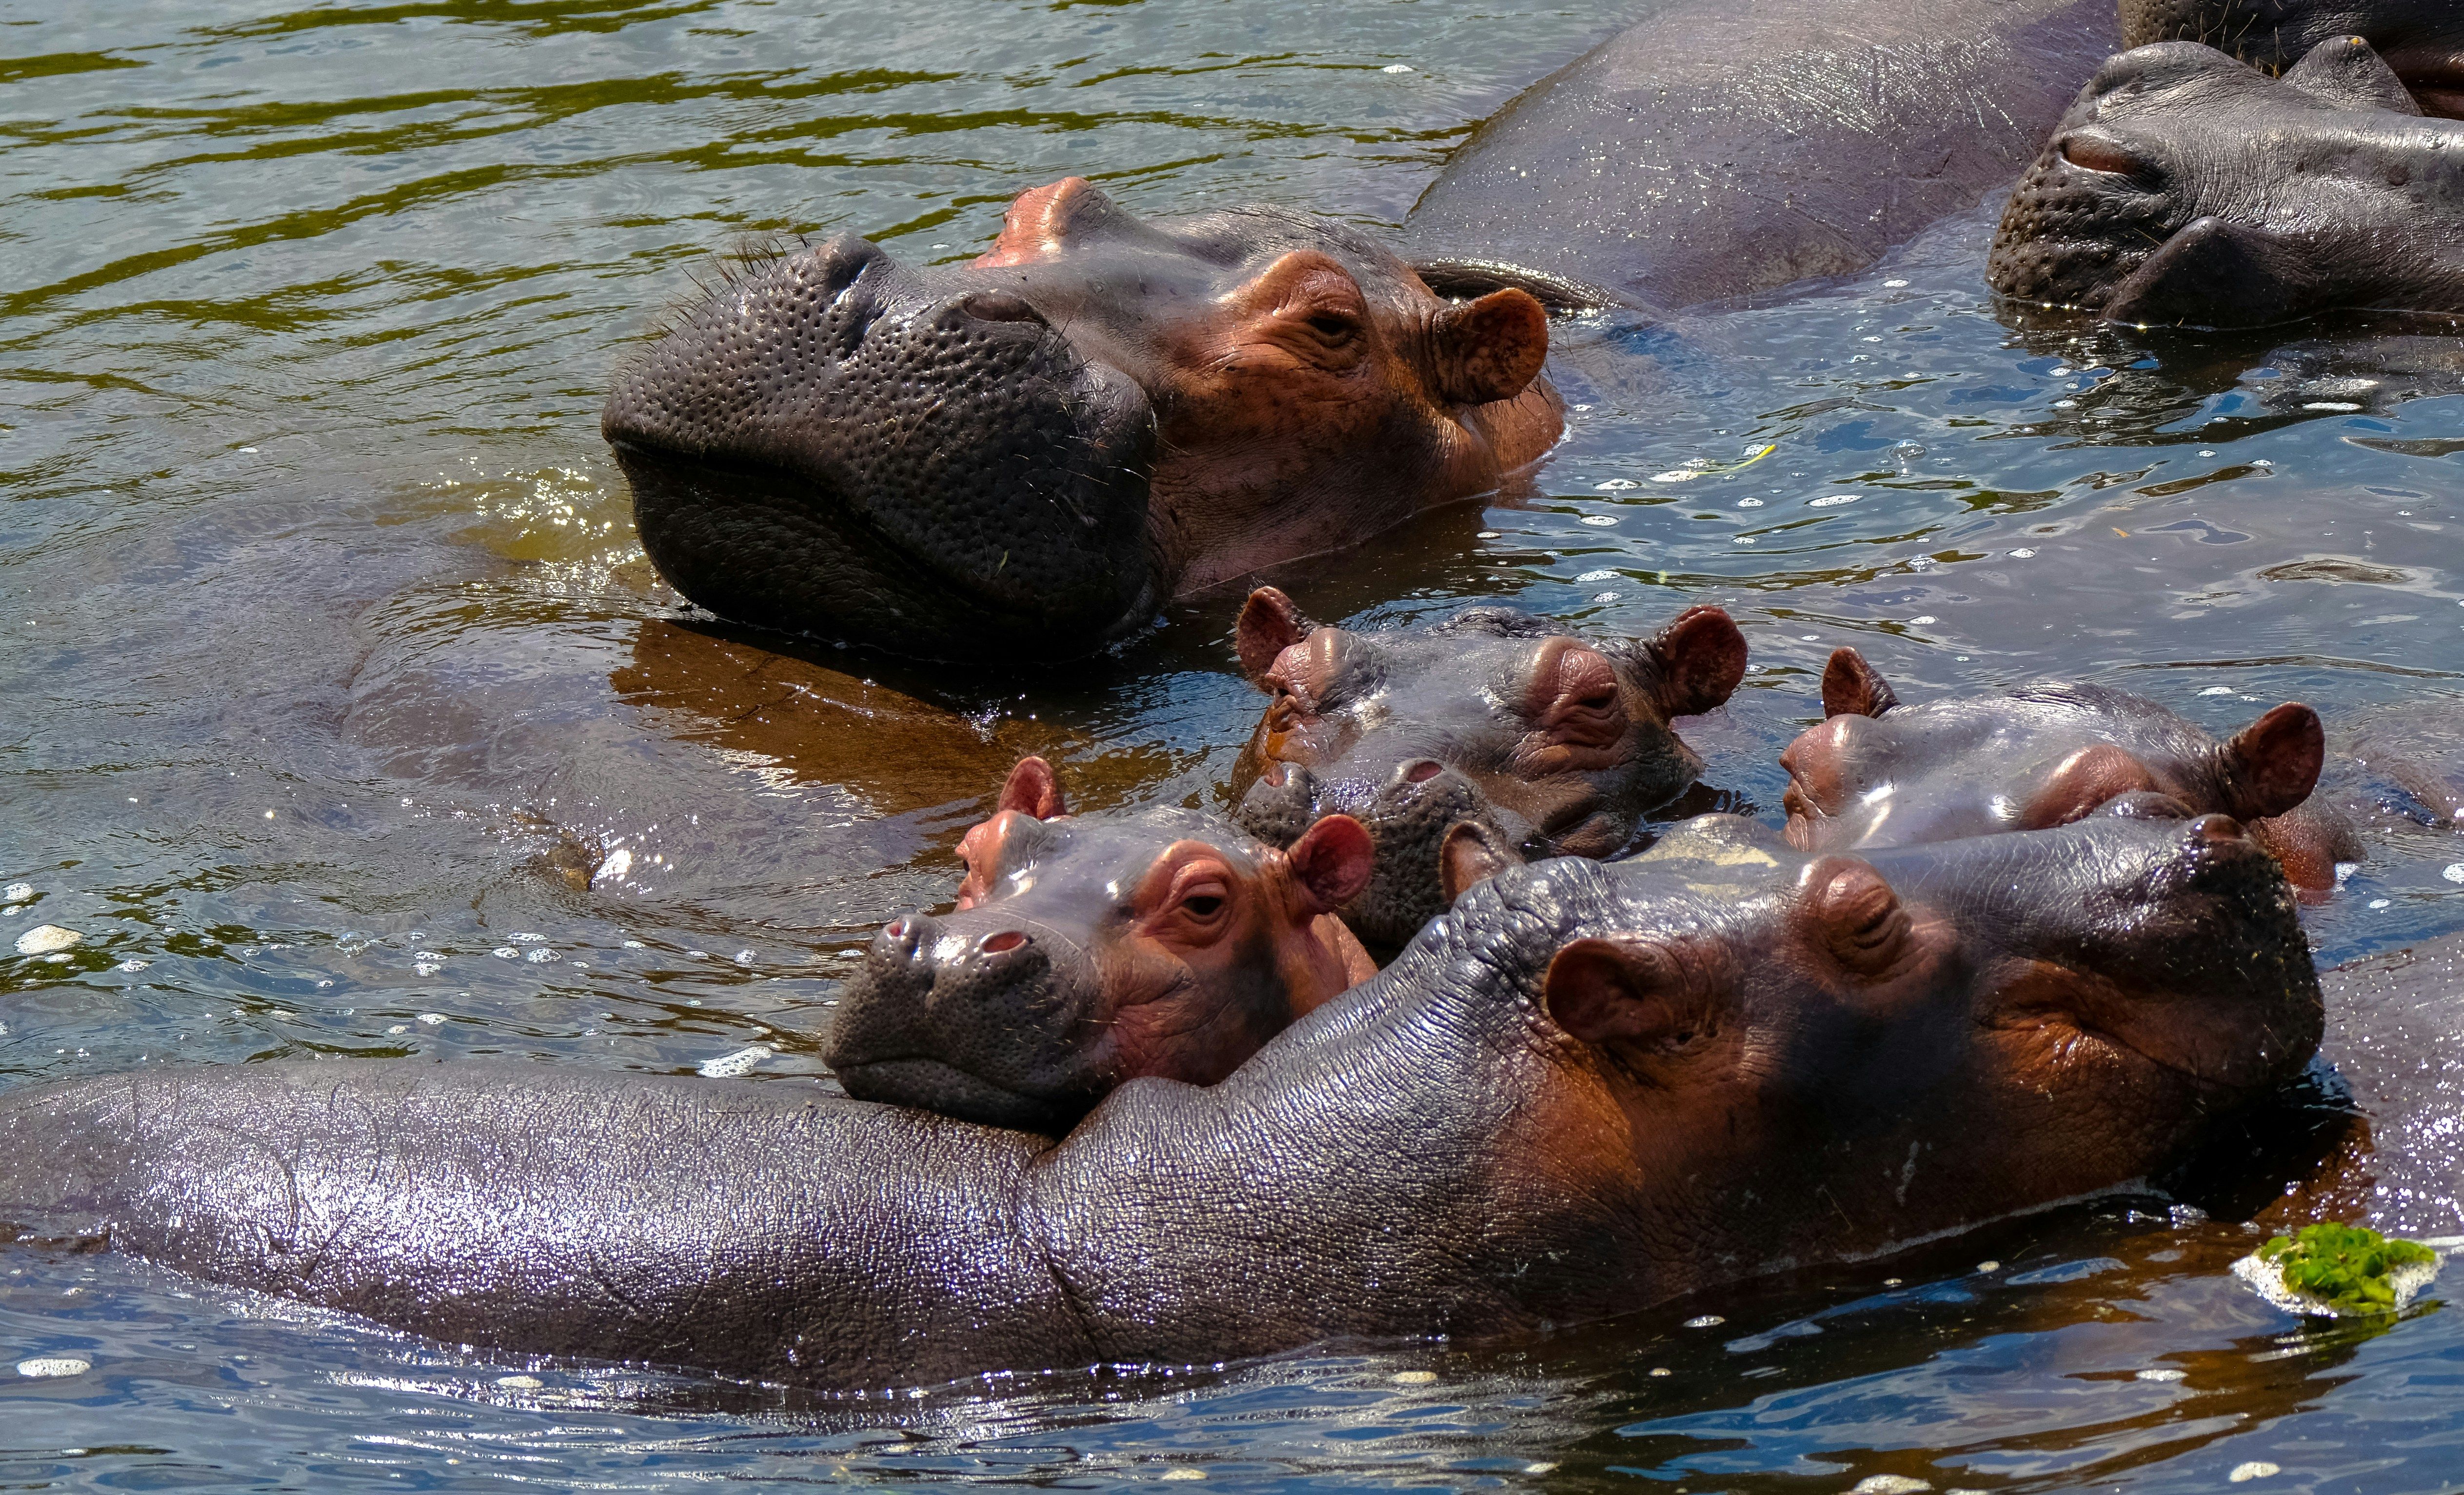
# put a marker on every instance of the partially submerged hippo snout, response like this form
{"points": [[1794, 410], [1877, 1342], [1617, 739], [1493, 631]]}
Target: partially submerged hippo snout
{"points": [[836, 439]]}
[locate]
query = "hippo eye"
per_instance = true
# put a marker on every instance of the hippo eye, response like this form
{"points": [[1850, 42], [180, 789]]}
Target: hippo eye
{"points": [[1332, 326], [1204, 906]]}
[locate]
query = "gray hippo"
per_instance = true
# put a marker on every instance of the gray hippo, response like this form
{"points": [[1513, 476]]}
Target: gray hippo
{"points": [[1588, 1088], [2422, 41], [1027, 455], [1090, 951], [2186, 188], [1716, 149], [1486, 738], [1877, 773]]}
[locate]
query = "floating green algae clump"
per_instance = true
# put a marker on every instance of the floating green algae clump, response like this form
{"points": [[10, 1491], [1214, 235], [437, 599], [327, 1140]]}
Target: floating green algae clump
{"points": [[2349, 1270]]}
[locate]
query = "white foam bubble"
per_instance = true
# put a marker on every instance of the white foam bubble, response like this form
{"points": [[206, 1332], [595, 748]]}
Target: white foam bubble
{"points": [[44, 938]]}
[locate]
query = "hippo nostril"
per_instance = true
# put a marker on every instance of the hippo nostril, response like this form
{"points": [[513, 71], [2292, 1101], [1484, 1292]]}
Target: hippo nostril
{"points": [[898, 928], [843, 261], [2215, 828], [1423, 771], [1007, 940], [998, 306]]}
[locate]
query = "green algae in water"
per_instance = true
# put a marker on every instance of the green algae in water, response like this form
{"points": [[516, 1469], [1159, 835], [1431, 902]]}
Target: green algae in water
{"points": [[2347, 1269]]}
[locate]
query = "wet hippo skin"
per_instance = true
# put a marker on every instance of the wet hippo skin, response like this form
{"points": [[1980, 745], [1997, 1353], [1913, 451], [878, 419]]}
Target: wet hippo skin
{"points": [[1465, 745], [1086, 950], [1716, 149], [1880, 773], [1026, 455], [1588, 1088], [2186, 188], [2422, 41]]}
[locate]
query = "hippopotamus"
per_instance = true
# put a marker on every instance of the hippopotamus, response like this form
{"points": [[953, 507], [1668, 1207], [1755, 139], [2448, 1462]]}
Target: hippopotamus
{"points": [[1026, 455], [1090, 951], [1876, 773], [1486, 738], [1715, 149], [2186, 188], [2422, 41], [1587, 1088]]}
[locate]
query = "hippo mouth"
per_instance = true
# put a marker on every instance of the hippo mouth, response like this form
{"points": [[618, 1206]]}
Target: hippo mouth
{"points": [[957, 1093], [834, 447]]}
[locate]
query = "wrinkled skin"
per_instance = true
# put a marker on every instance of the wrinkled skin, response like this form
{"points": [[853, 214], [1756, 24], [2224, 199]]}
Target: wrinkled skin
{"points": [[1716, 149], [1084, 953], [1026, 455], [2421, 40], [1877, 773], [1487, 739], [1619, 1083], [2186, 188]]}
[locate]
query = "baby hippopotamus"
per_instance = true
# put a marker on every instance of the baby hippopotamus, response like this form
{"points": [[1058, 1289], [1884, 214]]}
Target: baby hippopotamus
{"points": [[1471, 744], [1087, 952], [1879, 774]]}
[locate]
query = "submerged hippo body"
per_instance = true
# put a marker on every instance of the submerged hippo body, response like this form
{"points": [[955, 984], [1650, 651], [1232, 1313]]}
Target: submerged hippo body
{"points": [[1087, 952], [1489, 737], [1618, 1081], [2186, 188], [1877, 773], [1716, 149], [1027, 455], [2422, 41]]}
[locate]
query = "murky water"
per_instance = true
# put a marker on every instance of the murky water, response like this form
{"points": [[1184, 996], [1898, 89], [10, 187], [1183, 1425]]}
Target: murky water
{"points": [[329, 664]]}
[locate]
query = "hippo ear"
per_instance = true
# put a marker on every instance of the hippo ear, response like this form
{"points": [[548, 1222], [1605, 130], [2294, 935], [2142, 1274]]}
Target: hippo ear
{"points": [[2215, 274], [1488, 349], [1600, 990], [1853, 688], [2272, 765], [1032, 790], [1270, 623], [1701, 656], [1471, 854], [1331, 863], [2345, 73]]}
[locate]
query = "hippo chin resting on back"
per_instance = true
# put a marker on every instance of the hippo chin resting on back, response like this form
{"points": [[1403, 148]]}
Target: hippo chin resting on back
{"points": [[2186, 188], [1589, 1087], [2422, 41], [1879, 774], [1026, 455], [1090, 951], [1491, 737]]}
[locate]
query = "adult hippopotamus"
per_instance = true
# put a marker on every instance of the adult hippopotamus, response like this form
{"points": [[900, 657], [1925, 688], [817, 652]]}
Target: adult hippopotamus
{"points": [[2186, 188], [1090, 951], [2422, 41], [1716, 149], [1589, 1087], [1026, 455], [1469, 744], [1876, 773]]}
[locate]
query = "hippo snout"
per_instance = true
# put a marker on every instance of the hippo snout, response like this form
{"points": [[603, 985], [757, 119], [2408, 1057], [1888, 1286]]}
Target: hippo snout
{"points": [[975, 1016]]}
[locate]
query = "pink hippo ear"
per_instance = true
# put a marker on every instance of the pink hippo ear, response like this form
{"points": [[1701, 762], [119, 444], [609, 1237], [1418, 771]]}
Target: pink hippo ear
{"points": [[1471, 854], [1701, 656], [1489, 349], [1854, 688], [1331, 863], [2272, 765], [1270, 623], [1031, 790], [1600, 990]]}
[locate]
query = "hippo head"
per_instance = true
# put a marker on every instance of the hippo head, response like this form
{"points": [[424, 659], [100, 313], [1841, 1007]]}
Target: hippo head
{"points": [[2186, 188], [1084, 953], [2422, 41], [1025, 455], [1879, 774], [1468, 746], [1794, 1055]]}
